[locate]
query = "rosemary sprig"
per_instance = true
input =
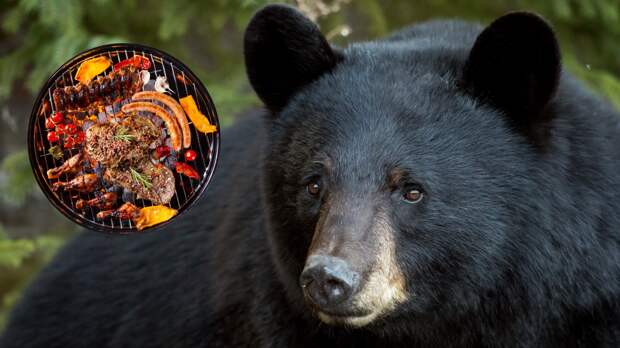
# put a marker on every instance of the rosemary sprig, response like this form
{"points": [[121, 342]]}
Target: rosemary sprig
{"points": [[56, 152], [140, 178], [121, 134]]}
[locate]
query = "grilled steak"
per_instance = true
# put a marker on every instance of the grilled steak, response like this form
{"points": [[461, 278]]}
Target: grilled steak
{"points": [[127, 142], [124, 150], [146, 180]]}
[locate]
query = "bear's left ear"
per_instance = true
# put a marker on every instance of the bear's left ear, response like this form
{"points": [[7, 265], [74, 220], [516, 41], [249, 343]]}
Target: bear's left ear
{"points": [[515, 65], [284, 51]]}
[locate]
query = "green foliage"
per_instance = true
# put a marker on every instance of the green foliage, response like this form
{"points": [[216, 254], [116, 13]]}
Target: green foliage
{"points": [[47, 33], [18, 181], [13, 252], [19, 259]]}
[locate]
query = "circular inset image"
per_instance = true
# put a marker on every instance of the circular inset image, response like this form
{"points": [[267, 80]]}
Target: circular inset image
{"points": [[123, 138]]}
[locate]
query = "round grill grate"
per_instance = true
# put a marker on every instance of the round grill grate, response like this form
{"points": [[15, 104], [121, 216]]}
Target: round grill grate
{"points": [[182, 82]]}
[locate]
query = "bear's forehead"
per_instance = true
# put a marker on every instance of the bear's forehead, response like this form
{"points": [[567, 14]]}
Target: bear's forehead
{"points": [[384, 107]]}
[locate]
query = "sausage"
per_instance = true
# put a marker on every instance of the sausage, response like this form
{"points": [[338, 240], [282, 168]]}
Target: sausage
{"points": [[171, 124], [172, 105]]}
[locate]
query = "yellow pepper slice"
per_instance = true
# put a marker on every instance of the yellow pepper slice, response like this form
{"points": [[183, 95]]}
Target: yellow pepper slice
{"points": [[200, 121], [91, 68], [154, 215]]}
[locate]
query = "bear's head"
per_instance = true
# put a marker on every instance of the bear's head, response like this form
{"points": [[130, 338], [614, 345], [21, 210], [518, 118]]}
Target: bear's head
{"points": [[397, 170]]}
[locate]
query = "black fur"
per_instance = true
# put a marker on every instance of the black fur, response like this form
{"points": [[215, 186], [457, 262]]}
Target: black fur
{"points": [[277, 41], [515, 245], [515, 65]]}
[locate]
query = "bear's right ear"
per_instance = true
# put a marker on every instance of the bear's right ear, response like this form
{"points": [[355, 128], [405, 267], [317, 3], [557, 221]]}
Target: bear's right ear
{"points": [[284, 51]]}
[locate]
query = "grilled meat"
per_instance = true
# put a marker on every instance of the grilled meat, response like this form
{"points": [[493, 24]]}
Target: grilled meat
{"points": [[70, 166], [103, 201], [146, 180], [121, 83], [83, 183], [127, 211], [171, 123], [176, 109], [125, 143]]}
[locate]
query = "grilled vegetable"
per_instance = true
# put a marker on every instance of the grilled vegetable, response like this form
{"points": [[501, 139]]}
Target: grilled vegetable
{"points": [[150, 216], [91, 68], [68, 143], [200, 121], [49, 123], [57, 117], [161, 85], [162, 151], [190, 155], [137, 61], [187, 170], [52, 137]]}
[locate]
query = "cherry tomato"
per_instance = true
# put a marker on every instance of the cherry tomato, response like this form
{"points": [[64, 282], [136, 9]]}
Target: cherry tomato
{"points": [[71, 128], [162, 151], [190, 155], [57, 117], [49, 123], [52, 137], [79, 138], [61, 129], [69, 142]]}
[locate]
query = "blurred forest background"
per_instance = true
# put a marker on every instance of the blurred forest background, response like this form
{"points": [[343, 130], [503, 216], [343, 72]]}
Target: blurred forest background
{"points": [[36, 37]]}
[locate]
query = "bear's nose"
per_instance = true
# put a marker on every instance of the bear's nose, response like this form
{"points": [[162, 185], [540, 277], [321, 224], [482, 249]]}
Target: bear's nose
{"points": [[328, 281]]}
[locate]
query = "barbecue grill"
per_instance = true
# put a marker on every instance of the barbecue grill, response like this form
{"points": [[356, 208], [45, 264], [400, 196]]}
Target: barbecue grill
{"points": [[182, 83]]}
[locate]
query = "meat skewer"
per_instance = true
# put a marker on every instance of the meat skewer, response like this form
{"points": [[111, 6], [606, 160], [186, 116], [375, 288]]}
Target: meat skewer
{"points": [[71, 166], [83, 183], [104, 201], [120, 83]]}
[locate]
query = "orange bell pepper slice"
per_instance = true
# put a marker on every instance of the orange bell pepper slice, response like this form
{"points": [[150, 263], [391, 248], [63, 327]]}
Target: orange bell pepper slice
{"points": [[154, 215], [91, 68], [199, 120]]}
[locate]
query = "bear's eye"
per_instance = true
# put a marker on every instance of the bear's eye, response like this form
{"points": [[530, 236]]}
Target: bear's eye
{"points": [[313, 188], [413, 196]]}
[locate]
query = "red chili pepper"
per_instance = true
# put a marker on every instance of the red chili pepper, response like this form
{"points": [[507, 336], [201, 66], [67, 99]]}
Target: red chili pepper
{"points": [[185, 169], [137, 61], [144, 62], [162, 151], [190, 155]]}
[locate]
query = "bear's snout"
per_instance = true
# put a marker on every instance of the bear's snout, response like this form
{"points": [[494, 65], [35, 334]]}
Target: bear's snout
{"points": [[328, 282]]}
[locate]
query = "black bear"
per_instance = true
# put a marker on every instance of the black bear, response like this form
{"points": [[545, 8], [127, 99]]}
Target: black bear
{"points": [[449, 185]]}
